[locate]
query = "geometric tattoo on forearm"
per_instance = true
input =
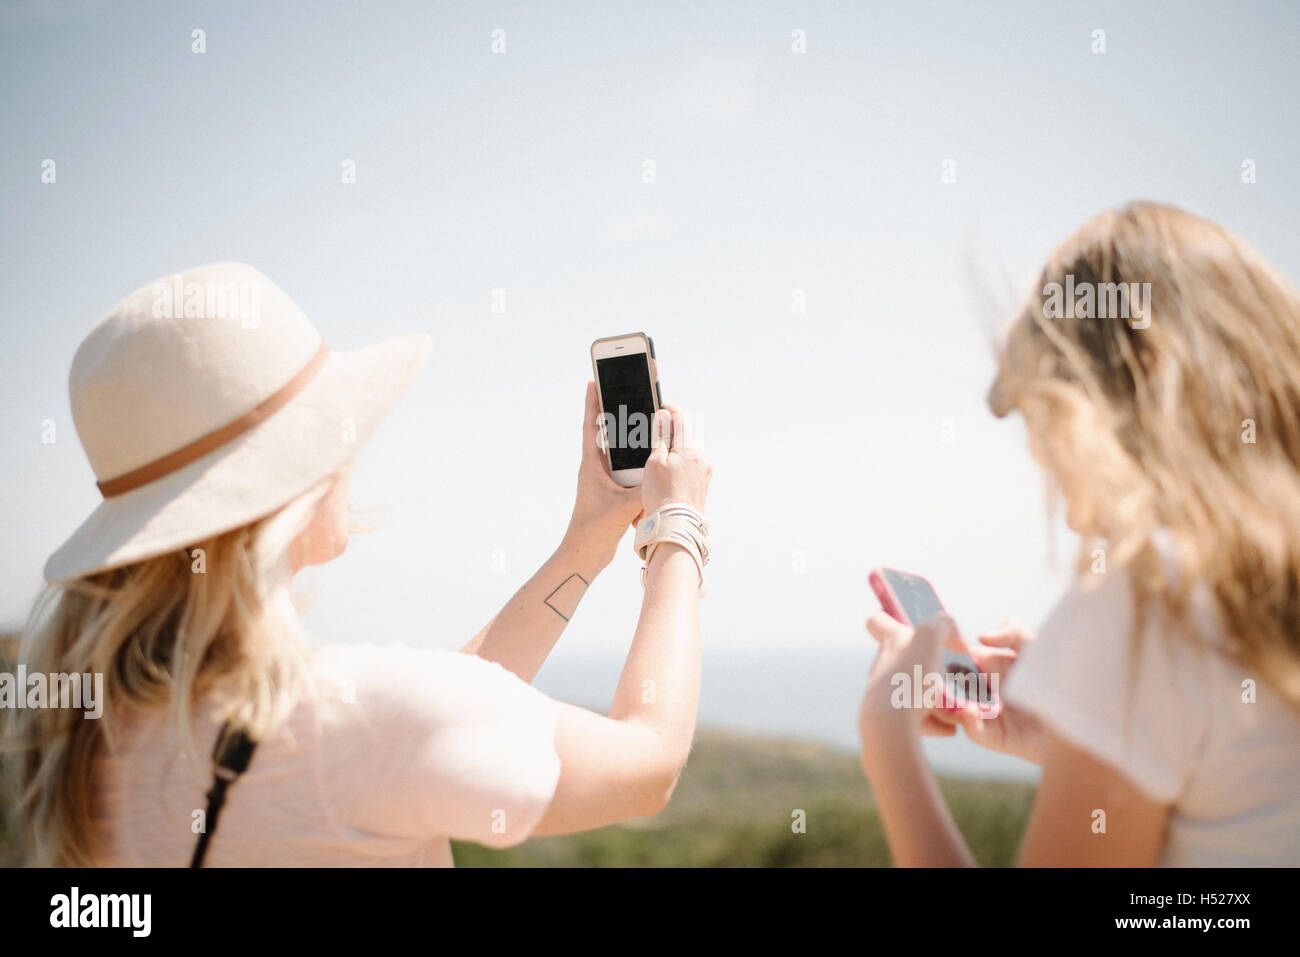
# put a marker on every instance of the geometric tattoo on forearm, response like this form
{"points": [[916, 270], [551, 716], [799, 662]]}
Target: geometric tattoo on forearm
{"points": [[564, 600]]}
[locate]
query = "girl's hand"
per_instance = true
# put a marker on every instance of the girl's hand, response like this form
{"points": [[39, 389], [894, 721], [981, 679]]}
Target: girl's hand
{"points": [[888, 712], [603, 509], [675, 471], [1009, 729], [918, 825]]}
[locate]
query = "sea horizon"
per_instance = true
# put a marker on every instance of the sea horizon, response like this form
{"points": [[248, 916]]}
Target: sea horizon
{"points": [[808, 695]]}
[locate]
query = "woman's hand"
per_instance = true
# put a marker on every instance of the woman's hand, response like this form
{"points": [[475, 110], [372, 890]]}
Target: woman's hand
{"points": [[675, 471], [603, 509], [627, 764], [1008, 729], [888, 712], [918, 826]]}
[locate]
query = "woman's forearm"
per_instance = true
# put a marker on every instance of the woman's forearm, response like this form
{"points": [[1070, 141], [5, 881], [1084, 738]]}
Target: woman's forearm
{"points": [[660, 684], [918, 825], [522, 634]]}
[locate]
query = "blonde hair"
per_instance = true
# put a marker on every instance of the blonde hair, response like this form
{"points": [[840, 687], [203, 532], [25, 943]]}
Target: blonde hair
{"points": [[212, 622], [1183, 421]]}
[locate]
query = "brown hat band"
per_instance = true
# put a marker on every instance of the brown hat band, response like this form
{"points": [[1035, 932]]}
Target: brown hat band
{"points": [[215, 439]]}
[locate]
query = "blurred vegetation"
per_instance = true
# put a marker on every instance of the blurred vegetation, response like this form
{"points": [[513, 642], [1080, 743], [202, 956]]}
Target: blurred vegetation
{"points": [[734, 807]]}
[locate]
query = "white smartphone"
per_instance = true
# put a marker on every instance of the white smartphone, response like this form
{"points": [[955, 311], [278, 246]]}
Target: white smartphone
{"points": [[627, 384]]}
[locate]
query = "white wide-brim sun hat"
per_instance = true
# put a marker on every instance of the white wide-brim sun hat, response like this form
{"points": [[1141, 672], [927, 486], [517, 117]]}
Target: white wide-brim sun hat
{"points": [[206, 400]]}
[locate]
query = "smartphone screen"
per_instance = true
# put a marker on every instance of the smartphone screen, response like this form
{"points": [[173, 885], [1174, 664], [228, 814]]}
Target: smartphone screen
{"points": [[627, 399], [915, 595], [919, 603]]}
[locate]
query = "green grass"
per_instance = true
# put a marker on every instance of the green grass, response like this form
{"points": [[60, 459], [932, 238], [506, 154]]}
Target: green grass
{"points": [[734, 807]]}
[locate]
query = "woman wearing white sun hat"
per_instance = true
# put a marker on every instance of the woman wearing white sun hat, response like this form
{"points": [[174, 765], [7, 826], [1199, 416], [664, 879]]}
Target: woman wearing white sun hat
{"points": [[220, 429]]}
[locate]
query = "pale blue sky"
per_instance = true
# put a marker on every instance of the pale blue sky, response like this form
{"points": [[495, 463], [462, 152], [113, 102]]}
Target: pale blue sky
{"points": [[522, 171]]}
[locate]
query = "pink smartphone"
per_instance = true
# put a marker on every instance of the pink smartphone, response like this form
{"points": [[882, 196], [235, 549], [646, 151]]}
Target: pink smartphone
{"points": [[912, 600]]}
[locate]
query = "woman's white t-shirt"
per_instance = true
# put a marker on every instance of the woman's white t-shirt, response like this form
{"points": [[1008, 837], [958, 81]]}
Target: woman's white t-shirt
{"points": [[1187, 727], [402, 750]]}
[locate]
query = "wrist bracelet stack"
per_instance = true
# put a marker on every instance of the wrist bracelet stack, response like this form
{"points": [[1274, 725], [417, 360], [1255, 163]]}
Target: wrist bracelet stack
{"points": [[680, 524]]}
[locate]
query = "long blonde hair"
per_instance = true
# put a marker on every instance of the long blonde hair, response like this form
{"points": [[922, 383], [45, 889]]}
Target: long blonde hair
{"points": [[1181, 421], [211, 622]]}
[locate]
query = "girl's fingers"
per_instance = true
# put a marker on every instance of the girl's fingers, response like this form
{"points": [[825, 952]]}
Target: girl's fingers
{"points": [[992, 658], [977, 728], [956, 642], [591, 424], [681, 434], [883, 628], [688, 429], [661, 434], [951, 717], [936, 632], [1009, 635], [934, 728]]}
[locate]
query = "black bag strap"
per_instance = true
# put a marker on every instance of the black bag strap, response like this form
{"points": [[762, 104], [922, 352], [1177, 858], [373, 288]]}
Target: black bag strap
{"points": [[231, 756]]}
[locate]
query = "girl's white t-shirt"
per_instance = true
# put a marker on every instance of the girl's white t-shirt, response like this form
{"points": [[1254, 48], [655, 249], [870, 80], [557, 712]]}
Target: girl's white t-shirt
{"points": [[402, 750], [1183, 723]]}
